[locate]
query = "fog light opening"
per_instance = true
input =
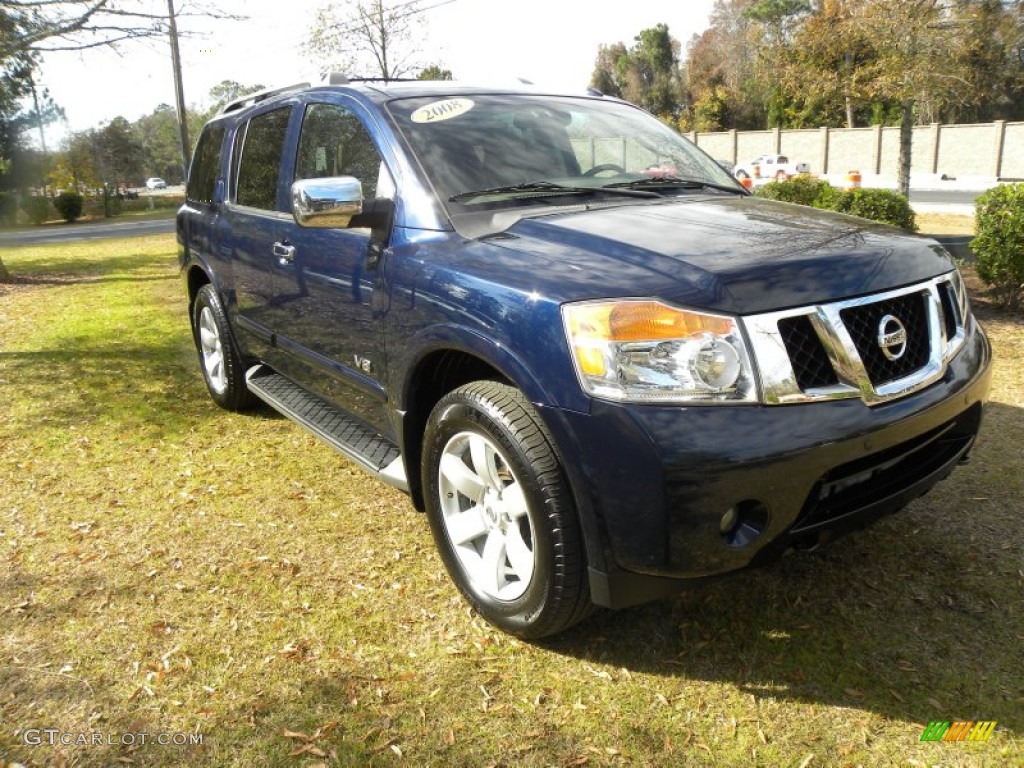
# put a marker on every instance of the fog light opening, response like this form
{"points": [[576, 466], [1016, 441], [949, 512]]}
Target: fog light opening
{"points": [[744, 523]]}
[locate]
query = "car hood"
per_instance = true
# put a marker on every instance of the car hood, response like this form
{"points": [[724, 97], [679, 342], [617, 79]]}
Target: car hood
{"points": [[737, 254]]}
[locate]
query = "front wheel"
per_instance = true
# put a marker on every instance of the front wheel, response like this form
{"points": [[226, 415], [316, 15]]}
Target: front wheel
{"points": [[501, 511]]}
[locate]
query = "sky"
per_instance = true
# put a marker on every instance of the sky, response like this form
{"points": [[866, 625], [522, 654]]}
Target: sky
{"points": [[549, 42]]}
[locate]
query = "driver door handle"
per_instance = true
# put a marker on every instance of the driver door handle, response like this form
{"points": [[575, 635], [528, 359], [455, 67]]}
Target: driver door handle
{"points": [[285, 253]]}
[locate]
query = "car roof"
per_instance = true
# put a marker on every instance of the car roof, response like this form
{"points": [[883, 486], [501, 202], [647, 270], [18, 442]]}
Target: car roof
{"points": [[380, 91]]}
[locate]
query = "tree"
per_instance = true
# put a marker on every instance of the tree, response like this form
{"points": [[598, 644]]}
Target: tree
{"points": [[227, 91], [647, 73], [916, 63], [776, 23], [722, 64], [605, 76], [368, 37], [157, 135], [44, 26], [990, 42], [434, 72], [825, 72], [75, 165], [29, 28]]}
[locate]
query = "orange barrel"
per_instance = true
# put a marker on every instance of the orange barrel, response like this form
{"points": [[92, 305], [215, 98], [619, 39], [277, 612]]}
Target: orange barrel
{"points": [[747, 182], [853, 180]]}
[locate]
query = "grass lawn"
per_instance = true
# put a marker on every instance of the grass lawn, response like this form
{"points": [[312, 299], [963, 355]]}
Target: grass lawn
{"points": [[169, 568]]}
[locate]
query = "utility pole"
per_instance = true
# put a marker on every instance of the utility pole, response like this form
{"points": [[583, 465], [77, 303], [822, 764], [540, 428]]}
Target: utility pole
{"points": [[42, 133], [179, 93]]}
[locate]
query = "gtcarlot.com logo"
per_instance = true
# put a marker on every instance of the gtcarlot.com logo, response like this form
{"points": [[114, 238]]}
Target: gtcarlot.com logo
{"points": [[52, 737]]}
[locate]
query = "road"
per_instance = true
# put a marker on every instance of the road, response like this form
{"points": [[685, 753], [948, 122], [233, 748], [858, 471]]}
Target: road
{"points": [[944, 197], [63, 233]]}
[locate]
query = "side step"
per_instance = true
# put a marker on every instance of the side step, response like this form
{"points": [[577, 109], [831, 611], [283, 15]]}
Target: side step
{"points": [[346, 434]]}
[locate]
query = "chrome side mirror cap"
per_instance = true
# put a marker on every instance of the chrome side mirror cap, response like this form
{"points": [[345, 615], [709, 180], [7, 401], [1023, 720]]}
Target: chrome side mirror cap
{"points": [[330, 202]]}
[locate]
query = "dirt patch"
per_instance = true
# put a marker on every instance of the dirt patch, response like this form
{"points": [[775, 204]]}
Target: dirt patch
{"points": [[945, 224]]}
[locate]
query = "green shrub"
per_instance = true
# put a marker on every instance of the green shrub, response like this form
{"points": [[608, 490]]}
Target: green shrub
{"points": [[881, 205], [999, 244], [875, 204], [8, 208], [68, 205], [37, 208], [804, 190]]}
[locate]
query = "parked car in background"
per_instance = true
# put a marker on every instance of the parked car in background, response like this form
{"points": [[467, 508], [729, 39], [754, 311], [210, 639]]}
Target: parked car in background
{"points": [[156, 183], [775, 167]]}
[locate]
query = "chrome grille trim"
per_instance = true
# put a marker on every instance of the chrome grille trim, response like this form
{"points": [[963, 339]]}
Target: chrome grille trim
{"points": [[779, 381]]}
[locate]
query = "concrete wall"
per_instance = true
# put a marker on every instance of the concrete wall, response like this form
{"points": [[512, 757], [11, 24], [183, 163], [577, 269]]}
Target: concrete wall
{"points": [[989, 149], [1013, 152]]}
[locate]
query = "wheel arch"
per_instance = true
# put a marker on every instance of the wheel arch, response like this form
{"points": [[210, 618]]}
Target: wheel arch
{"points": [[444, 366], [433, 376], [195, 278], [448, 357]]}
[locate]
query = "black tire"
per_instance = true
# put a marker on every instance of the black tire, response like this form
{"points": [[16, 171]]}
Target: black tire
{"points": [[517, 495], [219, 360]]}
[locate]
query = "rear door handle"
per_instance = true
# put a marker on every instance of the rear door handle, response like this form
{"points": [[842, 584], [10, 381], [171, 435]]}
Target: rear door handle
{"points": [[285, 253]]}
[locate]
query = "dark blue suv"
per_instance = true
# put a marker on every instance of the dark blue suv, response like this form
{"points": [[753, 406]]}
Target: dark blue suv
{"points": [[600, 366]]}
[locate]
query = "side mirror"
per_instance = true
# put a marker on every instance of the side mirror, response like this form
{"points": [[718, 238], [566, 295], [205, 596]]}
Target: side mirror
{"points": [[330, 202]]}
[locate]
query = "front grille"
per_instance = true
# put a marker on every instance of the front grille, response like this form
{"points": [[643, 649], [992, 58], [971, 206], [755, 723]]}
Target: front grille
{"points": [[864, 323], [877, 348], [950, 315], [811, 365]]}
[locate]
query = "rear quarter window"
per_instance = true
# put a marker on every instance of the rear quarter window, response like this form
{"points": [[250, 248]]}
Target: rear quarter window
{"points": [[202, 177], [259, 166]]}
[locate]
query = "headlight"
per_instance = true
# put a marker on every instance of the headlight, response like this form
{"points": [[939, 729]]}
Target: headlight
{"points": [[645, 351]]}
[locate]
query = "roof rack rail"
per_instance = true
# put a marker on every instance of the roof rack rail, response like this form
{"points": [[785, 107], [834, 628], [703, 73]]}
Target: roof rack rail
{"points": [[339, 78], [256, 98]]}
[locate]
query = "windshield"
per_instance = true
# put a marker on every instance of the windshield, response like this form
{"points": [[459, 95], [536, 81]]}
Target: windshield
{"points": [[485, 150]]}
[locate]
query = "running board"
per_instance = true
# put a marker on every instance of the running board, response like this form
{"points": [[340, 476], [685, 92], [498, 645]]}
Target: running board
{"points": [[346, 434]]}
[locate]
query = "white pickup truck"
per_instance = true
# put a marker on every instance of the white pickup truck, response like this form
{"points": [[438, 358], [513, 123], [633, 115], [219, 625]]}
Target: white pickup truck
{"points": [[775, 167]]}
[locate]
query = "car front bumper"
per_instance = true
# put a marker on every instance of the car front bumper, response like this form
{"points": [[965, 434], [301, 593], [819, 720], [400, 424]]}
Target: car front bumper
{"points": [[660, 481]]}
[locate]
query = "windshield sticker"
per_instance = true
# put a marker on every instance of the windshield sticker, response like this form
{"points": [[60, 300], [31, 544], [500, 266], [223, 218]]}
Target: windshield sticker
{"points": [[442, 110]]}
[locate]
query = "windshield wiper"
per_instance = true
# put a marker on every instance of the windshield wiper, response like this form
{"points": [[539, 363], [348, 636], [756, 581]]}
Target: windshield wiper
{"points": [[666, 181], [548, 189]]}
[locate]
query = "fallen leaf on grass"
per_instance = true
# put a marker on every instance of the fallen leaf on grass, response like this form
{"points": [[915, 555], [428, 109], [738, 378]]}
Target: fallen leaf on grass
{"points": [[854, 693], [307, 749], [603, 674], [161, 628], [935, 704]]}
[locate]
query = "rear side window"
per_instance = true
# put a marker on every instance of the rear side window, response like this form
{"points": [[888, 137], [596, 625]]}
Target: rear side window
{"points": [[202, 177], [259, 166]]}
